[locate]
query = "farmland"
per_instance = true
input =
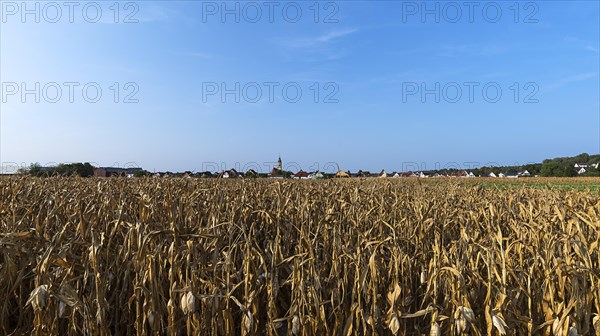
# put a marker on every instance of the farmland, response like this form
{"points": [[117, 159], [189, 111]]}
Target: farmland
{"points": [[282, 257], [585, 184]]}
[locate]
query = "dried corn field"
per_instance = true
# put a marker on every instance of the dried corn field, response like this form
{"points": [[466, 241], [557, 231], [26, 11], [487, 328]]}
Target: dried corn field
{"points": [[353, 257]]}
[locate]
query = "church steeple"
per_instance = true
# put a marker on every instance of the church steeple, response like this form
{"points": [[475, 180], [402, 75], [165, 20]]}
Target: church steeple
{"points": [[279, 165]]}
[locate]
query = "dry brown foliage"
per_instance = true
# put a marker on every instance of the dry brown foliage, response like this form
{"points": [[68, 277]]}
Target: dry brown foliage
{"points": [[352, 257]]}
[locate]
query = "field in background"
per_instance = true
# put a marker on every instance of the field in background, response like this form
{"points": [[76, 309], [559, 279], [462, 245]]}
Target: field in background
{"points": [[277, 257], [587, 184]]}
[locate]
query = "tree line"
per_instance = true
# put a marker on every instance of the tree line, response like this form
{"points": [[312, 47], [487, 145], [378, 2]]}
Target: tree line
{"points": [[63, 169], [557, 167]]}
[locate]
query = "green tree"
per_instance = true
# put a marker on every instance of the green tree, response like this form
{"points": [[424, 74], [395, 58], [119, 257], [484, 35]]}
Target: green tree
{"points": [[141, 173], [34, 169], [582, 158], [549, 168]]}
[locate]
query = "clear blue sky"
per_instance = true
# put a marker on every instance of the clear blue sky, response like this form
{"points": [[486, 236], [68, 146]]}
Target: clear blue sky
{"points": [[366, 58]]}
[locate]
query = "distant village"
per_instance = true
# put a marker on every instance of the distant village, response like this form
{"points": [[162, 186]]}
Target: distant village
{"points": [[279, 173], [581, 165]]}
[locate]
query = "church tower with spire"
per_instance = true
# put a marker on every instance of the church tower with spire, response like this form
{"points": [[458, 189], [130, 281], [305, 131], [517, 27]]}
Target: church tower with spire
{"points": [[277, 172]]}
